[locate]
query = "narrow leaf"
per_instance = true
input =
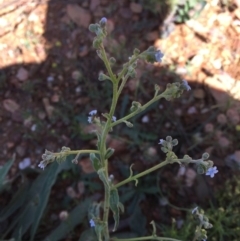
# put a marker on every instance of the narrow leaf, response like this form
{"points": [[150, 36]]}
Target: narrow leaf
{"points": [[4, 170], [76, 216]]}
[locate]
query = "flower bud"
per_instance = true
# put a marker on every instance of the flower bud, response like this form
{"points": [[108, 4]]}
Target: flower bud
{"points": [[102, 77], [112, 61], [103, 22]]}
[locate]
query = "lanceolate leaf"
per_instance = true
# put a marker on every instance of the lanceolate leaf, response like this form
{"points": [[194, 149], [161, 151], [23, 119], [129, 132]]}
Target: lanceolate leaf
{"points": [[76, 216], [4, 170], [114, 206]]}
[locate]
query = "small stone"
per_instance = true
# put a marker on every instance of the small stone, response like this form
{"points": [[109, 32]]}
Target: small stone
{"points": [[81, 187], [33, 17], [217, 64], [117, 145], [76, 75], [79, 15], [181, 171], [41, 115], [151, 151], [21, 150], [33, 127], [125, 13], [208, 128], [86, 165], [94, 4], [10, 145], [136, 7], [63, 215], [221, 119], [10, 105], [199, 93], [233, 116], [55, 98], [152, 36], [192, 110], [178, 112], [190, 177], [71, 192], [50, 79], [145, 119], [110, 26], [83, 51], [48, 108], [78, 89], [27, 122], [22, 74], [223, 142]]}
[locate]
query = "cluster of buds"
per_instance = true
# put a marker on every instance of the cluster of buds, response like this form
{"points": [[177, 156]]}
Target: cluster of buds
{"points": [[100, 30], [200, 232]]}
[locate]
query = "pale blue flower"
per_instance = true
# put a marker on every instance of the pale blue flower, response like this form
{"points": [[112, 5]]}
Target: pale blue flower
{"points": [[42, 164], [194, 210], [89, 119], [93, 112], [185, 85], [103, 21], [158, 56], [92, 223], [161, 141], [114, 118], [211, 171]]}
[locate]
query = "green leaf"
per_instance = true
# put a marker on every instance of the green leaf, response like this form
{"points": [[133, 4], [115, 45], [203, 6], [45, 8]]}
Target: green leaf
{"points": [[114, 206], [101, 173], [109, 153], [88, 235], [76, 216], [3, 172], [95, 162], [16, 202], [37, 197]]}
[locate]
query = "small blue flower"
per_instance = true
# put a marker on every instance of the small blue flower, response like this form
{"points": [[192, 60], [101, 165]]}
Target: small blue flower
{"points": [[103, 21], [158, 56], [194, 210], [114, 118], [161, 141], [211, 171], [89, 119], [92, 223], [185, 85], [93, 112]]}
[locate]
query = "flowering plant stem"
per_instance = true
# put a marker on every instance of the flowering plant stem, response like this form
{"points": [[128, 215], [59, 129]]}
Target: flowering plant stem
{"points": [[100, 161]]}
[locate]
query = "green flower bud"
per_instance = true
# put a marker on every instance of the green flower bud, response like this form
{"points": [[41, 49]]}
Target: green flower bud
{"points": [[112, 61], [109, 153], [205, 156], [93, 28], [102, 77], [128, 124], [135, 106], [136, 52]]}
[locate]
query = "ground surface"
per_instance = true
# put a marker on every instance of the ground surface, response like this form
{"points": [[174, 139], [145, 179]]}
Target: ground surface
{"points": [[49, 73]]}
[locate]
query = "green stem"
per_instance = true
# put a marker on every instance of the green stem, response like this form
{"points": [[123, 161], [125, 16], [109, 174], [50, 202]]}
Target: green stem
{"points": [[124, 71], [122, 85], [141, 174], [146, 238], [142, 108], [102, 149], [78, 152]]}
